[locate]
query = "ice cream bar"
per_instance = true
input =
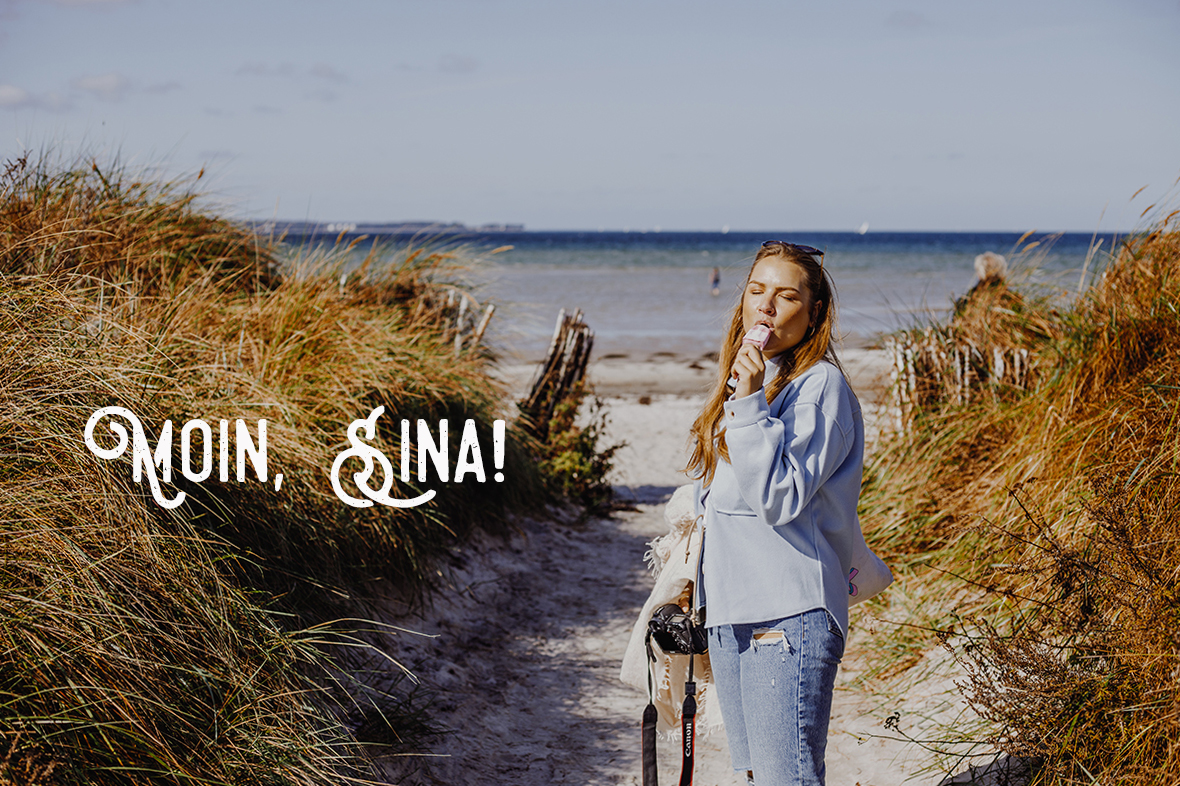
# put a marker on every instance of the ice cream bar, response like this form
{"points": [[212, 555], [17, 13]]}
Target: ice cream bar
{"points": [[758, 336]]}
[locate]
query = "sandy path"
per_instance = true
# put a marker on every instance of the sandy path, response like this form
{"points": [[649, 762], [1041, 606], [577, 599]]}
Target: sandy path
{"points": [[525, 664], [530, 635]]}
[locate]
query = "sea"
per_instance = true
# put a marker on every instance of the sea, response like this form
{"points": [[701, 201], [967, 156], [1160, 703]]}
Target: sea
{"points": [[650, 293]]}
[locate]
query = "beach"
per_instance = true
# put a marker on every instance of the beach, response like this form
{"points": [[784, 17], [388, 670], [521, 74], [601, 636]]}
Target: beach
{"points": [[525, 638], [528, 636], [256, 271], [507, 671]]}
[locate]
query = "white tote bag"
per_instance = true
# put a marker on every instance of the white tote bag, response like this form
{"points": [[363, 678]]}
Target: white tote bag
{"points": [[869, 574]]}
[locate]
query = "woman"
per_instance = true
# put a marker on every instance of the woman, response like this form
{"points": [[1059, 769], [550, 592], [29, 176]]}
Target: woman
{"points": [[777, 454]]}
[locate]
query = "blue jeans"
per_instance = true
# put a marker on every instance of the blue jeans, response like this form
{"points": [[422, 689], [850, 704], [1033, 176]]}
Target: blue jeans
{"points": [[775, 681]]}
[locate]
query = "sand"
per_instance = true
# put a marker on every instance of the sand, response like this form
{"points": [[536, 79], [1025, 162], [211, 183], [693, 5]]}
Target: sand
{"points": [[527, 634]]}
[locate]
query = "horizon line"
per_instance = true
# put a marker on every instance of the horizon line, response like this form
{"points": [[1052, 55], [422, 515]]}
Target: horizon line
{"points": [[457, 227]]}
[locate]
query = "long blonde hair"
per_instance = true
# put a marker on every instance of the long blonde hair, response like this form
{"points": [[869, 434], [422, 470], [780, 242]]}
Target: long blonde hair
{"points": [[708, 436]]}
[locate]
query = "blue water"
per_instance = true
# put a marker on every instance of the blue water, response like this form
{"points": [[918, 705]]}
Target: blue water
{"points": [[648, 292]]}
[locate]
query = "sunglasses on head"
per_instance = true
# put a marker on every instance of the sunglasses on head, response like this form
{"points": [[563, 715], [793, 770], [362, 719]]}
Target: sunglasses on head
{"points": [[805, 249]]}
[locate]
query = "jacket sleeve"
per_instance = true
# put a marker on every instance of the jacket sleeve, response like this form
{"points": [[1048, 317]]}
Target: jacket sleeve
{"points": [[781, 463]]}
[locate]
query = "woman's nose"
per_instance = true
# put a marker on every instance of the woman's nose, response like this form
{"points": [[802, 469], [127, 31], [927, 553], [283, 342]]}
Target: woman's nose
{"points": [[766, 306]]}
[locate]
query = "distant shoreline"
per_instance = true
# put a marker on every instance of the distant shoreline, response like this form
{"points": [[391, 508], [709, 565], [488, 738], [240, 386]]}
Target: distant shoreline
{"points": [[306, 230]]}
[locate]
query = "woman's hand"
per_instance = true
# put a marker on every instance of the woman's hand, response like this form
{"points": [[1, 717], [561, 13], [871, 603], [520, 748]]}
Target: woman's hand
{"points": [[748, 369]]}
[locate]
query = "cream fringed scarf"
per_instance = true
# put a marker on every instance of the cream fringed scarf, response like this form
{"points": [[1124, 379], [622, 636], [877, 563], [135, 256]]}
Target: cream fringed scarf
{"points": [[673, 560]]}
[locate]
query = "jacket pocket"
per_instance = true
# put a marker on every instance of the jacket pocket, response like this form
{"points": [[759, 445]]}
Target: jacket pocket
{"points": [[735, 513]]}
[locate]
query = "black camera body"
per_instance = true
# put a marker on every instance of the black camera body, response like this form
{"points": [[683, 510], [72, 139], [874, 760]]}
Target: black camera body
{"points": [[675, 632]]}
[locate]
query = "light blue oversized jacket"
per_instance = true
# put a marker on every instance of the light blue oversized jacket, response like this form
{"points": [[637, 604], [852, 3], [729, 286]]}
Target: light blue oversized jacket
{"points": [[780, 517]]}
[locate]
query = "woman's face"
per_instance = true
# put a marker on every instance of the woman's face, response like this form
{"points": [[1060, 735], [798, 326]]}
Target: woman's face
{"points": [[777, 296]]}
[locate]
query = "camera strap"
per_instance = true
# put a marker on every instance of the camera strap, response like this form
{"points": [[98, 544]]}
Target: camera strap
{"points": [[688, 718], [688, 714], [688, 725], [688, 711], [650, 768]]}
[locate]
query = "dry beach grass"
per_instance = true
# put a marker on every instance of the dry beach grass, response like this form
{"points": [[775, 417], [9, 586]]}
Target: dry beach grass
{"points": [[1034, 529], [151, 645]]}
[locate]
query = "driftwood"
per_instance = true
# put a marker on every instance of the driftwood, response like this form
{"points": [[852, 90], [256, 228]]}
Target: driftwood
{"points": [[985, 347], [563, 368], [458, 313], [932, 366]]}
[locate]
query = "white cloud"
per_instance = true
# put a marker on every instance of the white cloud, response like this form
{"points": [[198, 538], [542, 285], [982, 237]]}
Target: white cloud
{"points": [[14, 97], [109, 87], [11, 95]]}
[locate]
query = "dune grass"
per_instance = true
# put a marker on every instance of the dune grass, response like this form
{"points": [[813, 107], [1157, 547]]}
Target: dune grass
{"points": [[144, 645], [1036, 530]]}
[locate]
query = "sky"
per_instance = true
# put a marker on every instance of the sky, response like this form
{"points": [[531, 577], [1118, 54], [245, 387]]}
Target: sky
{"points": [[618, 114]]}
